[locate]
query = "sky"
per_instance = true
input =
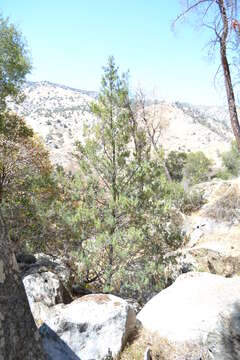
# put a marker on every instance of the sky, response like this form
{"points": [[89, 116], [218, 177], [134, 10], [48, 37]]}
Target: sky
{"points": [[70, 42]]}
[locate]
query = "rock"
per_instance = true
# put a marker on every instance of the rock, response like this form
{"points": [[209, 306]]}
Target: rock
{"points": [[147, 354], [55, 348], [212, 233], [191, 312], [46, 288], [91, 326], [53, 264], [26, 259], [80, 290]]}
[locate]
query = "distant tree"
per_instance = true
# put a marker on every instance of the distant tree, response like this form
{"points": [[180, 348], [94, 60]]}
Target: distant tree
{"points": [[152, 124], [197, 168], [220, 16], [175, 162]]}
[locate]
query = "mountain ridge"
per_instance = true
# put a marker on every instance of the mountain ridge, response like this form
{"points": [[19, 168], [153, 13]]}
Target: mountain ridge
{"points": [[58, 113]]}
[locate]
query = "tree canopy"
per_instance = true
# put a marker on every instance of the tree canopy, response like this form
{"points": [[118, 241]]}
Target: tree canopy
{"points": [[14, 62]]}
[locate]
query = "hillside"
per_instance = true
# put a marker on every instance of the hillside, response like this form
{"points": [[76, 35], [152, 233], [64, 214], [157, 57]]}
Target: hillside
{"points": [[57, 113]]}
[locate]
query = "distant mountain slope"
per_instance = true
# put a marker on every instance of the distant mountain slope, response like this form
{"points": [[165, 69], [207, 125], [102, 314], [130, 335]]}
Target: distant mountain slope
{"points": [[57, 113]]}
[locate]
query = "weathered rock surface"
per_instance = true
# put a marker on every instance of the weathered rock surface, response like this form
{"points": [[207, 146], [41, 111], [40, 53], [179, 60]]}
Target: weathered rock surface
{"points": [[43, 280], [193, 313], [40, 263], [212, 234], [45, 288], [89, 326], [56, 349]]}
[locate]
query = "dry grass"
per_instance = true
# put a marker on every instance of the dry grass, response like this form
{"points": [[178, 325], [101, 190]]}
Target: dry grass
{"points": [[161, 349], [227, 207]]}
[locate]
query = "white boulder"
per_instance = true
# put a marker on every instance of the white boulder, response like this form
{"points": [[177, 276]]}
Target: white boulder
{"points": [[91, 326], [45, 288], [193, 311]]}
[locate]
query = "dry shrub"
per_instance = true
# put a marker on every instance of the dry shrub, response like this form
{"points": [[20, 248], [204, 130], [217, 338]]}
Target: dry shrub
{"points": [[161, 349], [227, 207]]}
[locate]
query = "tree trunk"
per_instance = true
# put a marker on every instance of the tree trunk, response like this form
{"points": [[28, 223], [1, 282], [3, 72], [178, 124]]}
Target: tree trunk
{"points": [[227, 75], [19, 337]]}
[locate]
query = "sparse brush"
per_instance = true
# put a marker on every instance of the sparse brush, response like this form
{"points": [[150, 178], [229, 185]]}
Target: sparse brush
{"points": [[227, 208]]}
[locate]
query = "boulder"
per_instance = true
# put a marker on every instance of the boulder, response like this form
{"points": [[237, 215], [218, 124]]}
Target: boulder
{"points": [[192, 315], [55, 348], [46, 288], [40, 263], [92, 326]]}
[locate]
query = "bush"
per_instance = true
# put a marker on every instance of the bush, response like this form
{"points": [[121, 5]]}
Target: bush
{"points": [[197, 168], [227, 207], [223, 174], [175, 163], [231, 160]]}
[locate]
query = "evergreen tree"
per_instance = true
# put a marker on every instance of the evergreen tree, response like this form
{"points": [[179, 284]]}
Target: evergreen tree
{"points": [[120, 195]]}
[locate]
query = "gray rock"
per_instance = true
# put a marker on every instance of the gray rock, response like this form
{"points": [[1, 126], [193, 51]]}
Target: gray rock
{"points": [[92, 326], [26, 259], [55, 348], [46, 288]]}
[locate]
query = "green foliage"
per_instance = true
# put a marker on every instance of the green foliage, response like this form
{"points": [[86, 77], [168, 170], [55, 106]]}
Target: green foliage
{"points": [[125, 207], [197, 168], [223, 174], [231, 160], [25, 177], [14, 62], [175, 163]]}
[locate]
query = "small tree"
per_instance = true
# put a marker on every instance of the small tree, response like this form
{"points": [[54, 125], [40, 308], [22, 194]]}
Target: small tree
{"points": [[197, 168], [175, 162], [123, 197]]}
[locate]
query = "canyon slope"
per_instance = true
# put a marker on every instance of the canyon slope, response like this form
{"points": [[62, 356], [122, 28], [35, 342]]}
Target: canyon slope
{"points": [[58, 113]]}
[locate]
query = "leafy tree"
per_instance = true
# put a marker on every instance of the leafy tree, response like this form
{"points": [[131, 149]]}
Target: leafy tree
{"points": [[14, 62], [220, 16], [25, 177], [175, 162]]}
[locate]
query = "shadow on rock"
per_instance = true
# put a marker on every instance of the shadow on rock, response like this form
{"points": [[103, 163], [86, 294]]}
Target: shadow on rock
{"points": [[54, 346], [227, 347]]}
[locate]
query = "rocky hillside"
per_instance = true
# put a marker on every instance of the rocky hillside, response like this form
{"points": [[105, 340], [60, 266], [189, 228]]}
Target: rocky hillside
{"points": [[57, 113]]}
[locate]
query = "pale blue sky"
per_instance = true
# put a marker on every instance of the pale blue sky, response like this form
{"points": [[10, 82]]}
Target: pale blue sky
{"points": [[71, 40]]}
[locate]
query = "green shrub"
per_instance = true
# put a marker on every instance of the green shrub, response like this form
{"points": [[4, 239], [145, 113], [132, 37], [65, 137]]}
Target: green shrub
{"points": [[231, 160], [223, 174], [175, 163], [197, 168]]}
